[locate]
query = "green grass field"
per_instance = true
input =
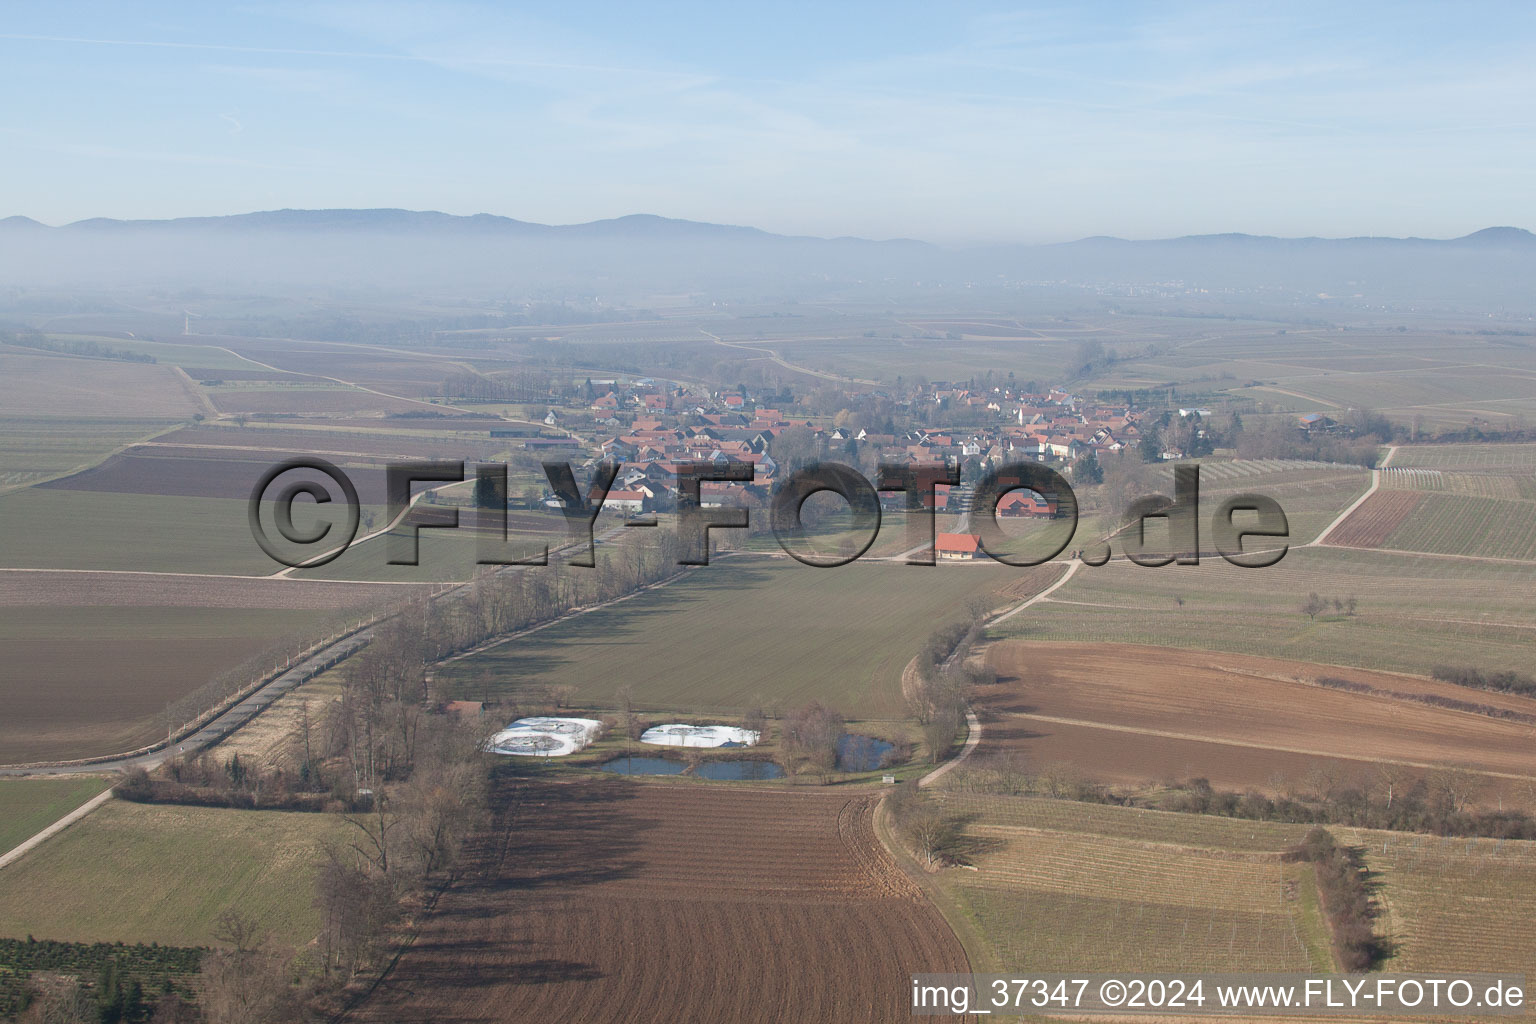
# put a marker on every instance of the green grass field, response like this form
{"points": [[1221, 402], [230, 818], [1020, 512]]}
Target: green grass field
{"points": [[39, 448], [1070, 887], [27, 806], [142, 873], [444, 555], [1414, 611], [63, 529], [749, 628]]}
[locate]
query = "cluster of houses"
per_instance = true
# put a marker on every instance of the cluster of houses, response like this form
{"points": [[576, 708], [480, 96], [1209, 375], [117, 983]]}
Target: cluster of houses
{"points": [[649, 428]]}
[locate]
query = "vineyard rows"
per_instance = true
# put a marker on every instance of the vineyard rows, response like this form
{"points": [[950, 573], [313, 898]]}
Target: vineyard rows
{"points": [[1146, 873], [1042, 931], [1468, 456], [1456, 904], [1464, 525], [1061, 885]]}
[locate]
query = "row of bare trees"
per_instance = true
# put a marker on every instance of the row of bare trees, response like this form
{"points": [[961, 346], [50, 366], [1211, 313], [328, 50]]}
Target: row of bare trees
{"points": [[1346, 898], [944, 680], [1315, 605], [934, 835], [498, 603]]}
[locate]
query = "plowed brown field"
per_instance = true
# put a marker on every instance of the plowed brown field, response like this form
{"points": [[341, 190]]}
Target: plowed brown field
{"points": [[1123, 713], [621, 901], [208, 473]]}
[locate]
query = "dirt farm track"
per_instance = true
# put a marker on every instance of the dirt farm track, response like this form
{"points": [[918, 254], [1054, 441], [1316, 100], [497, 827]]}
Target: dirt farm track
{"points": [[619, 901]]}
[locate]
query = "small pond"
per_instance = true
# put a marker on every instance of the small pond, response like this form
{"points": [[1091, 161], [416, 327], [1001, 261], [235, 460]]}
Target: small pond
{"points": [[856, 753], [738, 771], [643, 766]]}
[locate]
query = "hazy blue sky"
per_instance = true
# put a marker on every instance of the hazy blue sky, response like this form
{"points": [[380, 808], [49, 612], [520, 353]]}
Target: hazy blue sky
{"points": [[953, 124]]}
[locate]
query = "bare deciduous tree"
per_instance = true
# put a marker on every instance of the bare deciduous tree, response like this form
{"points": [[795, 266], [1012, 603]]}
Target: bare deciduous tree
{"points": [[813, 732], [239, 931], [929, 831], [57, 999]]}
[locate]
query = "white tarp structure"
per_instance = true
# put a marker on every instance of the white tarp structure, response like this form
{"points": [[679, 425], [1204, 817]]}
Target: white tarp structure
{"points": [[545, 737], [677, 734]]}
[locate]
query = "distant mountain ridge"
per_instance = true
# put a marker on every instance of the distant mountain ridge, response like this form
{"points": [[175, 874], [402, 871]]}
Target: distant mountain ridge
{"points": [[635, 258], [635, 225], [645, 225]]}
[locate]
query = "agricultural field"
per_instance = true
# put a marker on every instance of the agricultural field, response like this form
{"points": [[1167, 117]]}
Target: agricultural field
{"points": [[27, 806], [619, 900], [96, 530], [34, 449], [305, 400], [913, 355], [170, 470], [1495, 458], [1441, 394], [1434, 376], [93, 680], [835, 536], [1475, 513], [151, 873], [1311, 493], [1453, 904], [392, 370], [1460, 524], [1074, 887], [1475, 484], [450, 555], [57, 385], [97, 657], [1144, 715], [191, 354], [746, 629], [1376, 519], [390, 439], [1413, 611]]}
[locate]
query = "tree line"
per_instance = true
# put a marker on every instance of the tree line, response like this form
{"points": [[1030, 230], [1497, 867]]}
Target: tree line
{"points": [[1346, 899], [944, 681], [1431, 699], [524, 386], [89, 349], [1477, 679]]}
